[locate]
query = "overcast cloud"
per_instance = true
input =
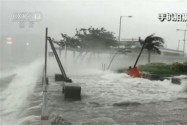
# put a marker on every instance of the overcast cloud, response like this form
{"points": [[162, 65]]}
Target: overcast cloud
{"points": [[66, 15]]}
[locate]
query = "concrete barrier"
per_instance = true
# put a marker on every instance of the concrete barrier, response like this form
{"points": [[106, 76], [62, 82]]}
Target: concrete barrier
{"points": [[59, 77], [151, 76], [179, 80], [176, 80], [155, 77], [71, 91]]}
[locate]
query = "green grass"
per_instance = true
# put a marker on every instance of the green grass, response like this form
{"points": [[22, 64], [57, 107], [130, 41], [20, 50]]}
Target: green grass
{"points": [[164, 70]]}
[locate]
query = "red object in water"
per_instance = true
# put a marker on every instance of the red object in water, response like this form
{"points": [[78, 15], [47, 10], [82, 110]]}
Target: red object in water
{"points": [[133, 72]]}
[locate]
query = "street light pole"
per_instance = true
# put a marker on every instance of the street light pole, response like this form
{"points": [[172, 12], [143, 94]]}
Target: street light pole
{"points": [[184, 41], [178, 45], [184, 30], [120, 27]]}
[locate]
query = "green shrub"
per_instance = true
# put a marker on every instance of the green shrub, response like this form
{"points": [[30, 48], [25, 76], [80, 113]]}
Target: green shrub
{"points": [[165, 70], [177, 67], [185, 67], [156, 64], [185, 63]]}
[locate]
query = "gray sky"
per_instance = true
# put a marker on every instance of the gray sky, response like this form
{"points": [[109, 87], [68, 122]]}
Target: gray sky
{"points": [[64, 16]]}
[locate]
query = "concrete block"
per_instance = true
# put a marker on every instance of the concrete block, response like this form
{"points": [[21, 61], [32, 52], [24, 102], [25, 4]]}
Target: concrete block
{"points": [[60, 77], [176, 80], [71, 91], [151, 76], [154, 77], [144, 74]]}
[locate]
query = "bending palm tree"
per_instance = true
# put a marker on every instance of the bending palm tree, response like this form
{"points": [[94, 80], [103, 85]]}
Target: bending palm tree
{"points": [[152, 44]]}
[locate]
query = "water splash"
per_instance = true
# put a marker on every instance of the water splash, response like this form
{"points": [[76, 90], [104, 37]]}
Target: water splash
{"points": [[15, 96]]}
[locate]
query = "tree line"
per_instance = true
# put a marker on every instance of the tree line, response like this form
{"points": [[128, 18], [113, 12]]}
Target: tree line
{"points": [[99, 39], [90, 39]]}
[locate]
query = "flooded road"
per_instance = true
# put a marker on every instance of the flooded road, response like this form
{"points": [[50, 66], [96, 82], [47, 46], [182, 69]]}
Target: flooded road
{"points": [[110, 98]]}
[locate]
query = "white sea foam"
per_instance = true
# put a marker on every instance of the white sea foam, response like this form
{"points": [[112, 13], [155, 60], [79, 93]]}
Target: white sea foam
{"points": [[109, 88], [15, 96]]}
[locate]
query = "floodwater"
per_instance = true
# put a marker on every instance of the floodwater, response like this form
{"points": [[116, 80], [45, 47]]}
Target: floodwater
{"points": [[108, 98]]}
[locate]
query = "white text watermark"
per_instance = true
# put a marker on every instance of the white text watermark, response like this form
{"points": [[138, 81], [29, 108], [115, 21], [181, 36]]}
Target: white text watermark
{"points": [[173, 17], [26, 17]]}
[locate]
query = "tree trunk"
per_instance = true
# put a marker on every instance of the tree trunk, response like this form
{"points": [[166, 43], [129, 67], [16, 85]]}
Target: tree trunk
{"points": [[149, 56]]}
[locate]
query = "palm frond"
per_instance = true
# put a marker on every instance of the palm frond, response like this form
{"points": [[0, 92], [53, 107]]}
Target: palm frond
{"points": [[152, 38], [148, 38], [140, 41], [157, 44], [153, 43], [158, 39], [157, 50]]}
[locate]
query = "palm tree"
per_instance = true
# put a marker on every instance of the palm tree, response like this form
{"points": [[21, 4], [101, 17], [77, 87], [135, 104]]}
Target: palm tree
{"points": [[152, 44]]}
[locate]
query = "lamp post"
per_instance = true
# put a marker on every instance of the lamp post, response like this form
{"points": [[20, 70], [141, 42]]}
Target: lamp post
{"points": [[184, 30], [179, 45], [120, 26]]}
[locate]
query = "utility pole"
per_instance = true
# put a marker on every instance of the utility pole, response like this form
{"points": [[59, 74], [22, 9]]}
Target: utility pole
{"points": [[184, 30], [120, 27]]}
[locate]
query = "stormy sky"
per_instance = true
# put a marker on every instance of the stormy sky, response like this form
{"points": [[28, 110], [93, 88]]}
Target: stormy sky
{"points": [[64, 16]]}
